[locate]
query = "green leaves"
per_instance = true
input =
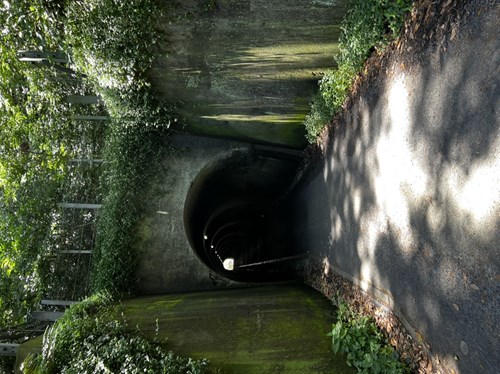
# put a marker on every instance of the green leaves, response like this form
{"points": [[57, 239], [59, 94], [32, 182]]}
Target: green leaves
{"points": [[38, 137], [368, 26], [89, 339], [366, 350], [132, 151], [113, 41], [114, 44]]}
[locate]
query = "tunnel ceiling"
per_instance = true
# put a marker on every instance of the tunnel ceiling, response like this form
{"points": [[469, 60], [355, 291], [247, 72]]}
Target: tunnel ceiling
{"points": [[229, 209]]}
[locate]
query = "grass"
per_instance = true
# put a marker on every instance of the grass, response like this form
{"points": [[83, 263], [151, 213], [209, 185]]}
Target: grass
{"points": [[369, 26]]}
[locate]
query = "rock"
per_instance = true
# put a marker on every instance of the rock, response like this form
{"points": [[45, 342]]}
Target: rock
{"points": [[474, 287], [464, 347]]}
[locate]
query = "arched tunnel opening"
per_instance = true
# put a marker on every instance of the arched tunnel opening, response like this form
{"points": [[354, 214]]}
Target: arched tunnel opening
{"points": [[230, 214]]}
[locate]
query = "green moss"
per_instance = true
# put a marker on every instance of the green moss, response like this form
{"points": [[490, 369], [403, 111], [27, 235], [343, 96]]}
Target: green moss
{"points": [[278, 329], [253, 330], [33, 346]]}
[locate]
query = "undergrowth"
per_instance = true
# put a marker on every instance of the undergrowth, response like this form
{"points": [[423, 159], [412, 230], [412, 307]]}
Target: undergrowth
{"points": [[90, 339], [369, 25], [359, 338], [114, 43], [132, 151]]}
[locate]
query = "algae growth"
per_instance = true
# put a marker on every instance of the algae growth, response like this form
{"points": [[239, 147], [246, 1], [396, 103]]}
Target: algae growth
{"points": [[279, 329]]}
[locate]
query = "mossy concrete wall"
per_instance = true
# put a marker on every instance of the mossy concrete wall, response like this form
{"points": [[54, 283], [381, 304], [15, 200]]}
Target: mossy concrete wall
{"points": [[33, 347], [247, 69], [267, 329], [244, 70]]}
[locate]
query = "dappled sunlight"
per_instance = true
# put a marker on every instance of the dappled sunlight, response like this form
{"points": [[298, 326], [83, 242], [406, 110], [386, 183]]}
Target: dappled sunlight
{"points": [[264, 118], [408, 204], [366, 274], [477, 193], [300, 61], [357, 201], [404, 199], [400, 174], [326, 265], [400, 180], [395, 174], [336, 227], [367, 243], [244, 60], [451, 281], [302, 52]]}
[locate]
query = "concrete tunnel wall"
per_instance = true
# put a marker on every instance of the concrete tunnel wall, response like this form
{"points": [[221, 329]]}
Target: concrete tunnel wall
{"points": [[229, 211], [207, 177]]}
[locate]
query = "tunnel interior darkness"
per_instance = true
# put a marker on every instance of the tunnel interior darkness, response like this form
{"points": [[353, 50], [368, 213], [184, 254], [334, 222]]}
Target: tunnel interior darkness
{"points": [[229, 214]]}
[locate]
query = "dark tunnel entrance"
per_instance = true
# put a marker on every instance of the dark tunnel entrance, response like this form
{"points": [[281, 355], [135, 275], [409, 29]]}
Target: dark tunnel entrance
{"points": [[230, 214]]}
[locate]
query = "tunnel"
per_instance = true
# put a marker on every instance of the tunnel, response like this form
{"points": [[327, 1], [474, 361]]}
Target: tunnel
{"points": [[230, 214]]}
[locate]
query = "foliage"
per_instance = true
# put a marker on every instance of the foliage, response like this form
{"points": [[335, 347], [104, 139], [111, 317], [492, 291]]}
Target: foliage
{"points": [[133, 151], [89, 339], [37, 140], [7, 364], [369, 26], [366, 349], [332, 93], [32, 24], [113, 41]]}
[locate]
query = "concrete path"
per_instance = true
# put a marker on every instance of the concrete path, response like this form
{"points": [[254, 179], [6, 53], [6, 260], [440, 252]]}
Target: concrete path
{"points": [[406, 196]]}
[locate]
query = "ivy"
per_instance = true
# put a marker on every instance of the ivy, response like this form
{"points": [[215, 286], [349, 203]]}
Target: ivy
{"points": [[37, 141], [113, 41], [133, 151], [111, 45]]}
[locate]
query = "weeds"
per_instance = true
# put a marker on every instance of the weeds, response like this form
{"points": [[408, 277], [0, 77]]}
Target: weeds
{"points": [[132, 151], [370, 25], [359, 338], [113, 42]]}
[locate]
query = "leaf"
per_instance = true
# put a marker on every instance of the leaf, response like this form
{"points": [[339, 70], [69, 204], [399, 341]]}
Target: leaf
{"points": [[336, 346]]}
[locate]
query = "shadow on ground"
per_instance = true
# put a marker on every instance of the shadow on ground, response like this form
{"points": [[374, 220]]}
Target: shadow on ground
{"points": [[405, 198]]}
